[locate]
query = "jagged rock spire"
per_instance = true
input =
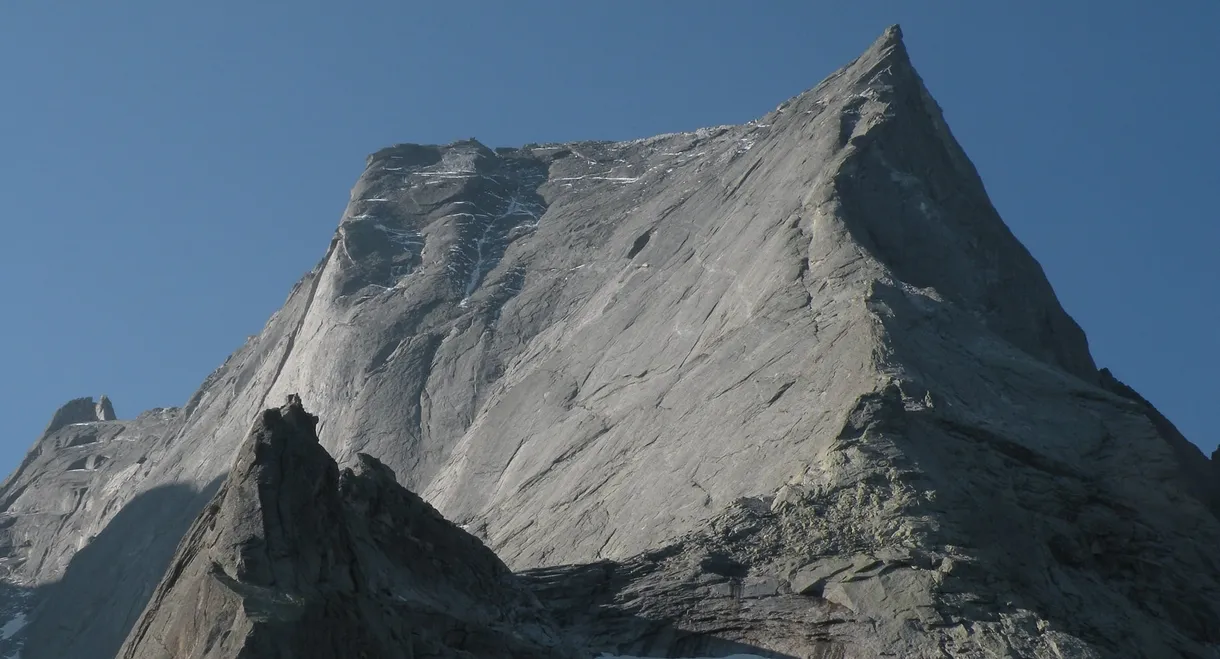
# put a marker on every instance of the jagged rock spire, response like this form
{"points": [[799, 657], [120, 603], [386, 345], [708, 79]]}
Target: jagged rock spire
{"points": [[294, 559], [105, 409]]}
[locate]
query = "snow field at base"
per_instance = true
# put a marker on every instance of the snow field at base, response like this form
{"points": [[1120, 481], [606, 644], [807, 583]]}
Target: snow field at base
{"points": [[731, 656]]}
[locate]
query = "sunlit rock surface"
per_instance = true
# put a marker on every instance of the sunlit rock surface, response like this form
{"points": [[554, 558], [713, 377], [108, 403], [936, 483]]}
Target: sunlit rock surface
{"points": [[784, 388]]}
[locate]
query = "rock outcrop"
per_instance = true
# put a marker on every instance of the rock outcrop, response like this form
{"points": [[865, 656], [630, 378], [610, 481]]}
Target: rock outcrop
{"points": [[294, 559], [104, 411], [80, 410], [790, 387]]}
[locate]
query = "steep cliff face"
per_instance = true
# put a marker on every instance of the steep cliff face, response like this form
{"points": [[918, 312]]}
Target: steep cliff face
{"points": [[794, 381]]}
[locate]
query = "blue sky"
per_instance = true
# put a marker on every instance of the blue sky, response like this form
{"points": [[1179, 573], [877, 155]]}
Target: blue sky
{"points": [[169, 170]]}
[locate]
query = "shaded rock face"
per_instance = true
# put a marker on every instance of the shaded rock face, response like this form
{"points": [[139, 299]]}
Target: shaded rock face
{"points": [[788, 388], [61, 495], [69, 515], [1199, 474], [294, 559]]}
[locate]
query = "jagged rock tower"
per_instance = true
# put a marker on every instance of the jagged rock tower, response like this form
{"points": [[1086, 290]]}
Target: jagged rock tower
{"points": [[790, 387], [294, 559]]}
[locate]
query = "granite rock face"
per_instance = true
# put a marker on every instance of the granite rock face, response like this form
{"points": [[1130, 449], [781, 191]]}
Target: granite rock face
{"points": [[294, 559], [79, 537], [790, 387]]}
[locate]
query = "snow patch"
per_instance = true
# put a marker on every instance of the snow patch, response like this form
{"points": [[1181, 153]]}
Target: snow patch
{"points": [[713, 131], [459, 160], [869, 94], [12, 626], [437, 178], [902, 178], [447, 174]]}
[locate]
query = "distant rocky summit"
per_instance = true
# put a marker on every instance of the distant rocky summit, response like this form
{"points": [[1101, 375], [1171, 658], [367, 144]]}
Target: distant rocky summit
{"points": [[81, 410], [789, 389]]}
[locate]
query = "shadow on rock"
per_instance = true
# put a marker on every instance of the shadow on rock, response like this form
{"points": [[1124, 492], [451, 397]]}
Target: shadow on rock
{"points": [[88, 613], [597, 610]]}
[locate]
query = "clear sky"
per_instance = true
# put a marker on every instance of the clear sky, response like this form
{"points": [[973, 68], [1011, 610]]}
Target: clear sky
{"points": [[168, 170]]}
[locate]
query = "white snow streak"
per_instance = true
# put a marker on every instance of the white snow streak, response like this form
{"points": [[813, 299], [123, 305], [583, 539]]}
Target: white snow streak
{"points": [[436, 178], [600, 177], [515, 206], [406, 239], [447, 174]]}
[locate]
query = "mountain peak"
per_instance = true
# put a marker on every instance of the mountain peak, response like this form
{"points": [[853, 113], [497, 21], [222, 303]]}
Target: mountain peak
{"points": [[907, 194], [892, 36], [888, 46], [884, 65], [796, 370]]}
